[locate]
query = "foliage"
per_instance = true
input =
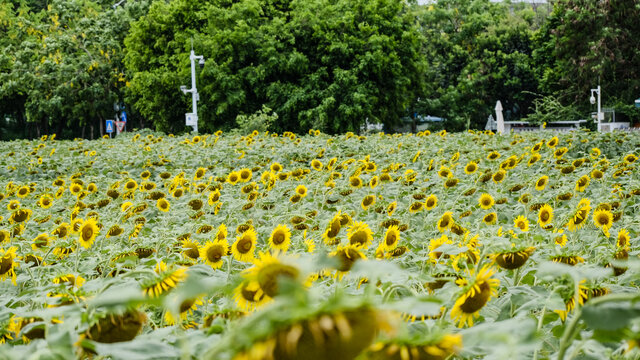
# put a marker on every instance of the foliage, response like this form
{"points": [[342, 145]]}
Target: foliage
{"points": [[108, 253], [548, 109], [259, 121]]}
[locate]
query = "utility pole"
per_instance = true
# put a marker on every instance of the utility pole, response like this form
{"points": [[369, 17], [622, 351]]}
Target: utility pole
{"points": [[192, 117]]}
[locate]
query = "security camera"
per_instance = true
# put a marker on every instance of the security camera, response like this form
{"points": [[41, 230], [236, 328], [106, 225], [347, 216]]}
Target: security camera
{"points": [[592, 100], [201, 63], [183, 89]]}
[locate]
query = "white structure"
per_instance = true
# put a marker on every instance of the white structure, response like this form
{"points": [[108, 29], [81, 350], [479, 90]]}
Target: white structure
{"points": [[499, 118], [592, 100], [192, 117]]}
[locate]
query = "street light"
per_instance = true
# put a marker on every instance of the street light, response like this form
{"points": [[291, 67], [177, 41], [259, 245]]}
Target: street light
{"points": [[192, 117], [592, 100]]}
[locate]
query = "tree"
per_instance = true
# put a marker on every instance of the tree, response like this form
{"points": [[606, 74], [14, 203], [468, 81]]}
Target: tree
{"points": [[479, 52], [324, 64]]}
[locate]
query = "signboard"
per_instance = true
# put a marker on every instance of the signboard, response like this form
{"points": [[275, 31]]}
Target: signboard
{"points": [[123, 116], [637, 102], [120, 125], [191, 119], [110, 128]]}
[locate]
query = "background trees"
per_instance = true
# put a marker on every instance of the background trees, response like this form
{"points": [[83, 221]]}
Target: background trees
{"points": [[322, 64]]}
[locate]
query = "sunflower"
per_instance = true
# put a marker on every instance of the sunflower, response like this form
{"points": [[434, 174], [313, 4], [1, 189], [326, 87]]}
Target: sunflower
{"points": [[623, 239], [545, 215], [471, 167], [355, 181], [521, 223], [391, 208], [486, 201], [603, 219], [23, 191], [166, 279], [316, 164], [8, 264], [415, 207], [478, 290], [513, 259], [276, 167], [213, 251], [244, 246], [630, 158], [88, 232], [582, 183], [329, 236], [130, 185], [45, 201], [373, 183], [541, 183], [533, 159], [346, 257], [222, 233], [535, 148], [301, 190], [41, 241], [368, 201], [445, 172], [268, 272], [553, 142], [187, 307], [444, 347], [446, 221], [434, 244], [391, 239], [249, 296], [280, 238], [163, 205], [359, 235], [499, 176], [213, 197], [431, 202], [490, 218], [190, 249], [13, 205], [5, 236], [233, 177], [20, 216], [580, 216]]}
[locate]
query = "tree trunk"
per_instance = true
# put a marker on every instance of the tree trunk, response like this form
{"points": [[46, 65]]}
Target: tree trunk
{"points": [[82, 133], [101, 120], [91, 129]]}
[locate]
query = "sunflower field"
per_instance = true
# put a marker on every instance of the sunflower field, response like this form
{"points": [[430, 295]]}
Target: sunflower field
{"points": [[280, 246]]}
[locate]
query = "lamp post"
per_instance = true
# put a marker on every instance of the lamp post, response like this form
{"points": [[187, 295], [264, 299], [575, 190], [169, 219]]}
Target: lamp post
{"points": [[192, 117], [592, 99]]}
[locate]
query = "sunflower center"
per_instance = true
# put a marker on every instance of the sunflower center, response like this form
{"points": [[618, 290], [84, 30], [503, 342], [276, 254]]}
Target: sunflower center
{"points": [[603, 220], [270, 275], [367, 201], [87, 233], [244, 245], [192, 251], [488, 218], [278, 238], [335, 228], [186, 305], [544, 216], [391, 239], [521, 225], [444, 222], [359, 238], [476, 301], [347, 258], [6, 263]]}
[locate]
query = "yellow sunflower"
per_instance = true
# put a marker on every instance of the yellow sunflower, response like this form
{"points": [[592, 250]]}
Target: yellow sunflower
{"points": [[280, 238], [486, 201], [346, 257], [603, 219], [446, 221], [521, 223], [513, 259], [579, 218], [213, 252], [582, 183], [471, 167], [222, 232], [233, 178], [623, 238], [431, 202], [23, 191], [166, 279], [490, 218], [478, 290], [301, 190], [545, 215], [360, 235], [268, 272], [41, 241], [541, 183], [187, 307], [163, 205], [5, 236], [391, 239], [368, 201], [8, 264], [45, 201], [391, 208], [249, 296], [88, 232], [190, 249], [245, 245]]}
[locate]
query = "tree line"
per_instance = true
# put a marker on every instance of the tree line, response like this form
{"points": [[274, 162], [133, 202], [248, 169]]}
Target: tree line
{"points": [[315, 64]]}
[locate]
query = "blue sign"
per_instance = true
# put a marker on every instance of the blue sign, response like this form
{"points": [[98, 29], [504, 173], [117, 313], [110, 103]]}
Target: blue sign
{"points": [[123, 116], [110, 126]]}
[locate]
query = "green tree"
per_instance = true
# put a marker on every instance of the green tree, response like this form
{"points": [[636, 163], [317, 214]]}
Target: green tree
{"points": [[324, 64]]}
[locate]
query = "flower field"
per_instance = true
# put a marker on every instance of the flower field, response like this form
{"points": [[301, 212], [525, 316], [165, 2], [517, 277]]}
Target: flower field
{"points": [[280, 246]]}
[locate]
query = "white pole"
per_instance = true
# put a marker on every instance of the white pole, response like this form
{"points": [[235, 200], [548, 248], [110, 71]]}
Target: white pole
{"points": [[194, 91], [599, 111]]}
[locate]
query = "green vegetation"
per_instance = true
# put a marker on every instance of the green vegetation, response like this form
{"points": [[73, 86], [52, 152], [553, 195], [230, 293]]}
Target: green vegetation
{"points": [[323, 64]]}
